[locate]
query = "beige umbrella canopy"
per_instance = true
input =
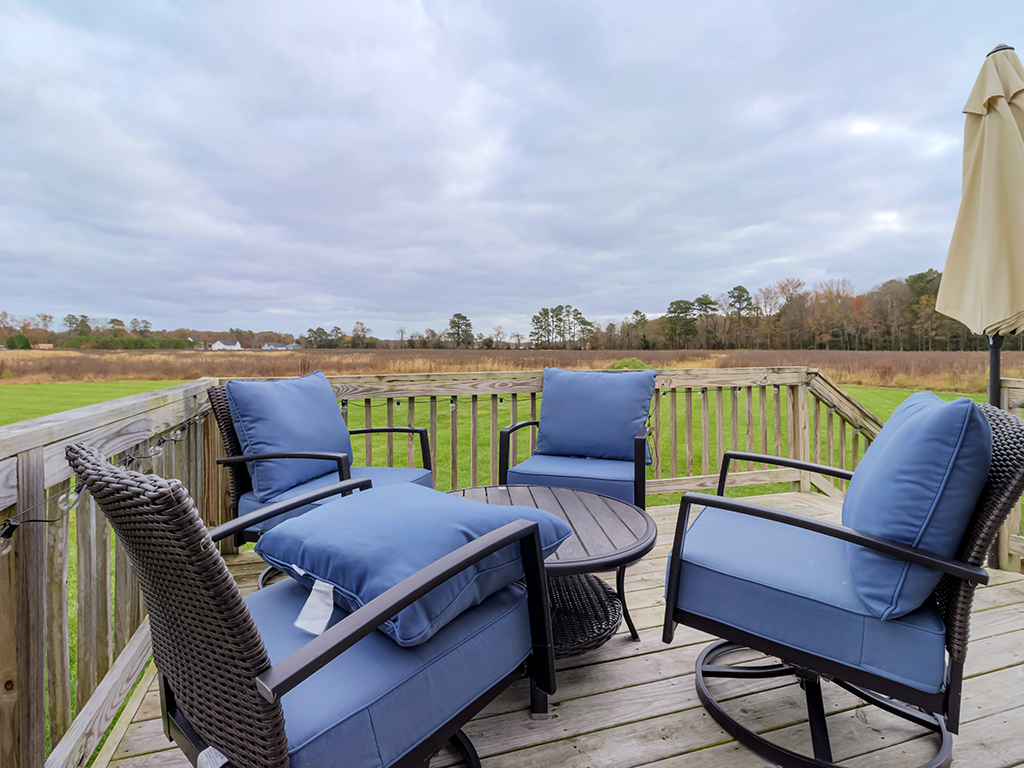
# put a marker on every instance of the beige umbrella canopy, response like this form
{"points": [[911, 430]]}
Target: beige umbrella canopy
{"points": [[983, 280]]}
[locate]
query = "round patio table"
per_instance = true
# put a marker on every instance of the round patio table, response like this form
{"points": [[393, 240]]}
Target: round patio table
{"points": [[608, 535]]}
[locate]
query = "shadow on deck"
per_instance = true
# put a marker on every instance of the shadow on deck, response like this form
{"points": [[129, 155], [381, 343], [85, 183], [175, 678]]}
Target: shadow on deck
{"points": [[631, 704]]}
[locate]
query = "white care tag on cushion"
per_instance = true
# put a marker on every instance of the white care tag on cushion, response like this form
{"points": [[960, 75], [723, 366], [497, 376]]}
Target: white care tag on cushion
{"points": [[211, 758], [317, 611]]}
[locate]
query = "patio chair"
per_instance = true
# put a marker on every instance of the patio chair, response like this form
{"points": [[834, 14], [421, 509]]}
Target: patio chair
{"points": [[591, 437], [879, 605], [287, 440], [240, 685]]}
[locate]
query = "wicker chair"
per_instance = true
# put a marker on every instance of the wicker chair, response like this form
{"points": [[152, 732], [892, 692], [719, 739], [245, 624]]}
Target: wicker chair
{"points": [[242, 498], [890, 668], [230, 682]]}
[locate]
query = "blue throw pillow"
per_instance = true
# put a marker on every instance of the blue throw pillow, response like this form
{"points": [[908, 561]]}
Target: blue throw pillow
{"points": [[593, 413], [917, 484], [287, 415], [367, 543]]}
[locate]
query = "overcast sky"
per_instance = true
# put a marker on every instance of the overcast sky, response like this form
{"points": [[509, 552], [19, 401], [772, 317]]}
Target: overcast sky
{"points": [[277, 166]]}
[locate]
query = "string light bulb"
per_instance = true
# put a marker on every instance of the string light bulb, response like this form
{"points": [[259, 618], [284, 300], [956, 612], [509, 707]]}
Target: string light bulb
{"points": [[7, 536], [68, 500]]}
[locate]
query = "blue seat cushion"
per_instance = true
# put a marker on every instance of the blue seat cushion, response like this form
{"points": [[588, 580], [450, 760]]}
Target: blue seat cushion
{"points": [[366, 543], [917, 484], [287, 415], [793, 587], [593, 413], [380, 476], [612, 478], [376, 701]]}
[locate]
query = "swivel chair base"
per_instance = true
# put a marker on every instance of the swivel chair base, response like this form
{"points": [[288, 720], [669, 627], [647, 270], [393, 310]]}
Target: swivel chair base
{"points": [[811, 684]]}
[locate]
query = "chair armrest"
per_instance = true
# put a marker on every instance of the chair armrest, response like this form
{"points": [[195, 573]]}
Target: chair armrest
{"points": [[503, 448], [640, 467], [781, 461], [970, 573], [421, 431], [342, 459], [318, 652], [239, 524]]}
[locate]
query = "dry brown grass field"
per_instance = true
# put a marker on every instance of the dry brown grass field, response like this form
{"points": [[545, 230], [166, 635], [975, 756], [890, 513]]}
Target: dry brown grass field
{"points": [[943, 371]]}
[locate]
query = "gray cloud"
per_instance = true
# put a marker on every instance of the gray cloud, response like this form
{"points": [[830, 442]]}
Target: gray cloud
{"points": [[284, 166]]}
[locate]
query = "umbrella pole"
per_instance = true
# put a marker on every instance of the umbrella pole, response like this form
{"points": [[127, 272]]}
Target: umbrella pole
{"points": [[995, 345]]}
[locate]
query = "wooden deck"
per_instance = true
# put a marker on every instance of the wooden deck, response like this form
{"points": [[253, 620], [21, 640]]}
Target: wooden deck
{"points": [[630, 704]]}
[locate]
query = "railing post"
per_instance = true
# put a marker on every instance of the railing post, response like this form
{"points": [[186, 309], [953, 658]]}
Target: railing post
{"points": [[214, 510], [31, 613], [9, 690], [1001, 555], [454, 408], [799, 433]]}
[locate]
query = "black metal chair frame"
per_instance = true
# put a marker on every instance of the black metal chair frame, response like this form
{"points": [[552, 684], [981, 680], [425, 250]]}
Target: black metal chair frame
{"points": [[639, 459], [938, 712], [241, 482], [162, 505]]}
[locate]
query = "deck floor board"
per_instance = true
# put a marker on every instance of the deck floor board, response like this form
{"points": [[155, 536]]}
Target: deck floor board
{"points": [[633, 703]]}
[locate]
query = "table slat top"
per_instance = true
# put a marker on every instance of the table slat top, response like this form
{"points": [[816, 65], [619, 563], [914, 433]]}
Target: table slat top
{"points": [[607, 533]]}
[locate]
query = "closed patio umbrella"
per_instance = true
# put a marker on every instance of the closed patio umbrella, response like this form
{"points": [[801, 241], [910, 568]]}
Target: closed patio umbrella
{"points": [[983, 280]]}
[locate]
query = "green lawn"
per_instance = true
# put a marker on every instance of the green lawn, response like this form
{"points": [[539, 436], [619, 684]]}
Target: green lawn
{"points": [[28, 401], [882, 402]]}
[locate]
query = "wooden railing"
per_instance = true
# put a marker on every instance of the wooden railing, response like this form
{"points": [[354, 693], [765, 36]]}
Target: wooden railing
{"points": [[696, 415], [1011, 543], [39, 695]]}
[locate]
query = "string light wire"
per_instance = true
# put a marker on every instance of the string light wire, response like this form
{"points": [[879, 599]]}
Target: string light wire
{"points": [[69, 499]]}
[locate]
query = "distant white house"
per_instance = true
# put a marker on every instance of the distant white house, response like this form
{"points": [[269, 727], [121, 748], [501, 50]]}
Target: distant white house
{"points": [[197, 343], [232, 345], [294, 346], [271, 346]]}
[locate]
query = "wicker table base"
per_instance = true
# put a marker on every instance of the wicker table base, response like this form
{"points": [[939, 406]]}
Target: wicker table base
{"points": [[585, 613]]}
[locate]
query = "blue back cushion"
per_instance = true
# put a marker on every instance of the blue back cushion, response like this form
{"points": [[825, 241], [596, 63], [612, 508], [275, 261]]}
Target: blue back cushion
{"points": [[287, 415], [917, 484], [367, 543], [593, 413]]}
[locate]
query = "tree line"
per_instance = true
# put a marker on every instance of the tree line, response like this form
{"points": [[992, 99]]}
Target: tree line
{"points": [[84, 332], [898, 314]]}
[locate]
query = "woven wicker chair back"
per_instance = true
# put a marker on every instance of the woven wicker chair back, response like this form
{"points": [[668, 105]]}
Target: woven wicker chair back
{"points": [[1002, 489], [204, 640], [241, 482]]}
